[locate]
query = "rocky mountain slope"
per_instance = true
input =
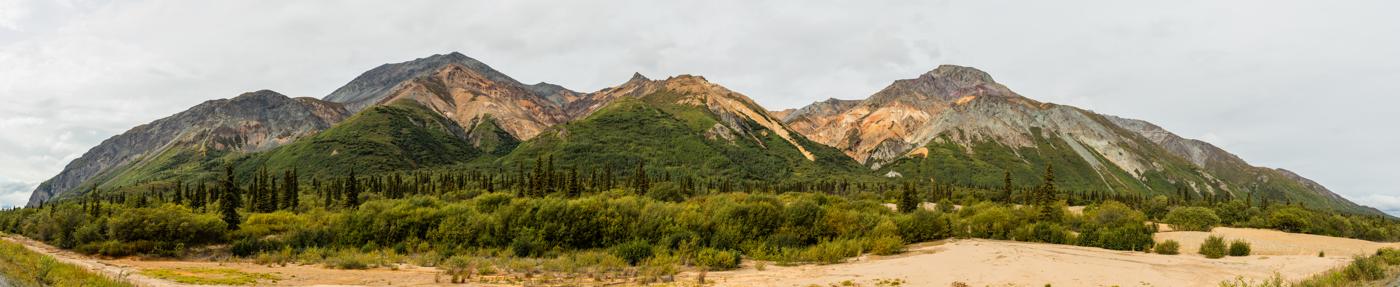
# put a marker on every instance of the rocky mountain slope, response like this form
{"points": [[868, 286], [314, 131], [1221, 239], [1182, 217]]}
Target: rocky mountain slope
{"points": [[1217, 161], [956, 124], [462, 89], [399, 136], [953, 124], [682, 124], [249, 122]]}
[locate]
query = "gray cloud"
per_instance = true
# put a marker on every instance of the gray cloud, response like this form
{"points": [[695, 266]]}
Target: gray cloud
{"points": [[1296, 84]]}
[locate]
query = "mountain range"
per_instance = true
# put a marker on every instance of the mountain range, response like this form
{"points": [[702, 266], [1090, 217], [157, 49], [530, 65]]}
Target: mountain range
{"points": [[952, 124]]}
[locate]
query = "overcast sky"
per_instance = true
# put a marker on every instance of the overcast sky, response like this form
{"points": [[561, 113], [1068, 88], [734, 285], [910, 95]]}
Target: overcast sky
{"points": [[1309, 86]]}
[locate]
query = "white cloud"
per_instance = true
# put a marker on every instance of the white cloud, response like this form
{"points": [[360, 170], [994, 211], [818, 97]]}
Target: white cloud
{"points": [[1389, 203], [12, 12], [1296, 84]]}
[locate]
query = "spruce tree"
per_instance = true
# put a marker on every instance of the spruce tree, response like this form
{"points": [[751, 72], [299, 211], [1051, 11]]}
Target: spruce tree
{"points": [[575, 188], [908, 199], [1046, 195], [639, 181], [352, 191], [289, 190], [229, 201], [179, 193], [1006, 184]]}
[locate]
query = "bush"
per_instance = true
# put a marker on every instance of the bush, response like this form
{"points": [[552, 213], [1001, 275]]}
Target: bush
{"points": [[922, 225], [831, 252], [349, 259], [1239, 248], [715, 259], [167, 223], [1169, 247], [887, 245], [633, 252], [1047, 232], [1365, 269], [1113, 213], [1126, 237], [1192, 219], [1213, 247]]}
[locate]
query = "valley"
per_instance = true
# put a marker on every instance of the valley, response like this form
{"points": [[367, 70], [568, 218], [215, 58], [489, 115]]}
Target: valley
{"points": [[443, 170]]}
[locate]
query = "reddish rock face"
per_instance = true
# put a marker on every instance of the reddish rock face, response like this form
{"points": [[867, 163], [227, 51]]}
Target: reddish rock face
{"points": [[900, 117]]}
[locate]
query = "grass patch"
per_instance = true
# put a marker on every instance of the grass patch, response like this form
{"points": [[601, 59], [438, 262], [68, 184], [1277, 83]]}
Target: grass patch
{"points": [[208, 276], [27, 268]]}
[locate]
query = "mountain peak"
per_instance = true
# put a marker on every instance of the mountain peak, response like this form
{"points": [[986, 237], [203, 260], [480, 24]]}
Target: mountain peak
{"points": [[376, 84], [637, 76], [688, 78], [960, 73], [259, 94]]}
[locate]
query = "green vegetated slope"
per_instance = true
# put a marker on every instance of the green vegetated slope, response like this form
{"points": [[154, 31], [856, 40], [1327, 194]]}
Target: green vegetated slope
{"points": [[401, 136], [673, 137], [397, 137], [983, 163], [488, 137]]}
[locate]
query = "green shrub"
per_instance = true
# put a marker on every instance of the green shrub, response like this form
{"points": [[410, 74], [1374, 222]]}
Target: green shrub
{"points": [[1049, 233], [1126, 237], [1365, 269], [715, 259], [1213, 247], [1239, 248], [349, 259], [633, 252], [887, 245], [831, 252], [1192, 219], [1169, 247], [922, 225], [166, 223]]}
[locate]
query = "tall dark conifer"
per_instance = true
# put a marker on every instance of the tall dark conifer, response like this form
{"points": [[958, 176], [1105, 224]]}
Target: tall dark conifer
{"points": [[352, 191], [1006, 184], [1046, 195], [290, 193], [229, 201], [908, 199], [640, 183]]}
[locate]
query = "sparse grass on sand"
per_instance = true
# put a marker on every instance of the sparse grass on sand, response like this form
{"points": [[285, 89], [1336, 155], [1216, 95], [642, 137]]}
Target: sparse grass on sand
{"points": [[25, 268], [208, 276]]}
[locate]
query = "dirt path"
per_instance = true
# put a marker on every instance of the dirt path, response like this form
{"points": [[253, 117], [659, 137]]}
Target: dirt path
{"points": [[290, 275], [97, 266]]}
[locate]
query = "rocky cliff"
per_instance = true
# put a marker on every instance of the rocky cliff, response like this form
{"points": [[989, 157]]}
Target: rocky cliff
{"points": [[957, 124], [249, 122]]}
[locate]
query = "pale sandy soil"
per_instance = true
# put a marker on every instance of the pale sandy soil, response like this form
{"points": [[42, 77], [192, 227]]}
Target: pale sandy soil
{"points": [[976, 262], [1272, 242], [980, 262]]}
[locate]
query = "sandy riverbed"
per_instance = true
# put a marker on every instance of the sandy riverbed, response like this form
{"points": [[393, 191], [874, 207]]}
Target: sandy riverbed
{"points": [[975, 262]]}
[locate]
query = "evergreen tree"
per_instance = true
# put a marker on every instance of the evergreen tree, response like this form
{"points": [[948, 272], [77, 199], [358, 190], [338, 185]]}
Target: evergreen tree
{"points": [[908, 199], [575, 188], [1047, 194], [179, 193], [352, 191], [639, 181], [290, 193], [1006, 184], [229, 203]]}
